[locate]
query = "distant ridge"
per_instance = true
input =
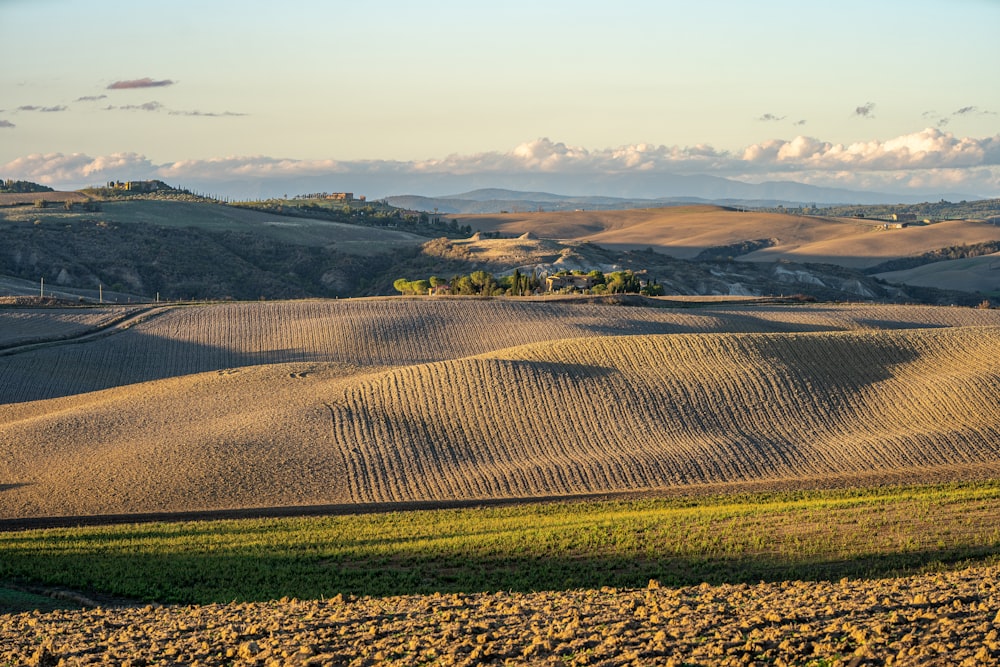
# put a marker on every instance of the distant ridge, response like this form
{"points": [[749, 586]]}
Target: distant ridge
{"points": [[679, 190]]}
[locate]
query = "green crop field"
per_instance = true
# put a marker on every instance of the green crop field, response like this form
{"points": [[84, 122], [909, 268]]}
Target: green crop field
{"points": [[550, 546]]}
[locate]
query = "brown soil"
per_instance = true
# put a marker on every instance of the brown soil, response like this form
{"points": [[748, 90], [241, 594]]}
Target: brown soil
{"points": [[685, 231], [433, 405], [936, 619]]}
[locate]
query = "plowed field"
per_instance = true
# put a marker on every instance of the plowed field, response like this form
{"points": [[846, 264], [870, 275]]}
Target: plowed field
{"points": [[946, 619], [265, 404]]}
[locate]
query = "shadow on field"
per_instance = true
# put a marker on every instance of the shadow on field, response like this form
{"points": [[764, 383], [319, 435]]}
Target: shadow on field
{"points": [[126, 357], [259, 576], [11, 487], [899, 324], [839, 361]]}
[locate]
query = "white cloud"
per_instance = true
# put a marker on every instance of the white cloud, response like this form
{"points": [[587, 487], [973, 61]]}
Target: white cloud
{"points": [[546, 156], [77, 169], [928, 159], [931, 148], [258, 166]]}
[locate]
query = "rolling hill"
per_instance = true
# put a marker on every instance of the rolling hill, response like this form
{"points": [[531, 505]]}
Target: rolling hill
{"points": [[141, 248], [978, 273], [360, 401], [687, 231]]}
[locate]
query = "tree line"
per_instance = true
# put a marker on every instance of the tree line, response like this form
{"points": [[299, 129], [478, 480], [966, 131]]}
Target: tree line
{"points": [[484, 283], [481, 283]]}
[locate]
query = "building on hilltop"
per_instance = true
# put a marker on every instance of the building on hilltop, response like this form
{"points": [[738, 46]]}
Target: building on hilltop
{"points": [[137, 186], [342, 196]]}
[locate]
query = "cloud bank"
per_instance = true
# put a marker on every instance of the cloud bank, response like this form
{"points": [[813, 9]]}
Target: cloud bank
{"points": [[931, 160]]}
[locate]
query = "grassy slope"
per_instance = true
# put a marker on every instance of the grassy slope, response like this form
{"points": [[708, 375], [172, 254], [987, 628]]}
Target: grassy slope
{"points": [[475, 418], [551, 546], [685, 231]]}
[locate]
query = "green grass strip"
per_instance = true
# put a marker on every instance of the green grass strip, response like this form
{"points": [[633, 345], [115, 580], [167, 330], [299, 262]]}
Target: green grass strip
{"points": [[556, 546]]}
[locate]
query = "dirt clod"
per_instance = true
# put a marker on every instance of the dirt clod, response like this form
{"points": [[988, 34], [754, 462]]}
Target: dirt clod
{"points": [[849, 622]]}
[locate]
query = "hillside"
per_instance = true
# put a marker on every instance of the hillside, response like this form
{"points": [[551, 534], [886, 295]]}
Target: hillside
{"points": [[686, 231], [193, 250], [978, 273], [180, 248], [173, 341], [399, 400]]}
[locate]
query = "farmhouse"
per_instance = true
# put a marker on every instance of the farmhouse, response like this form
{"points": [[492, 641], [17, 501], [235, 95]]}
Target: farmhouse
{"points": [[341, 196], [558, 282], [137, 186]]}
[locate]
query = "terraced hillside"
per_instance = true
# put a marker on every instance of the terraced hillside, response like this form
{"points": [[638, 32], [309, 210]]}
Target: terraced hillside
{"points": [[264, 404]]}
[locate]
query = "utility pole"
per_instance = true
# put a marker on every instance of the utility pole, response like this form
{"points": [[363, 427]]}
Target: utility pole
{"points": [[41, 291], [100, 291]]}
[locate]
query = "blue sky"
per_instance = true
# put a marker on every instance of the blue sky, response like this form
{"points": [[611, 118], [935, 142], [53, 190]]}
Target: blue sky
{"points": [[896, 96]]}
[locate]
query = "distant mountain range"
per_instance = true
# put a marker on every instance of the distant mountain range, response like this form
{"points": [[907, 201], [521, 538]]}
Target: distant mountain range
{"points": [[693, 190], [606, 190]]}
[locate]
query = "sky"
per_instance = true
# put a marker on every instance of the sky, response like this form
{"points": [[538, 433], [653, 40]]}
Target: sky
{"points": [[396, 97]]}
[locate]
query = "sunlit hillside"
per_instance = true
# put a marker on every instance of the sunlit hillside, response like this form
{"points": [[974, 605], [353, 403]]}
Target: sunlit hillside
{"points": [[400, 400], [686, 231]]}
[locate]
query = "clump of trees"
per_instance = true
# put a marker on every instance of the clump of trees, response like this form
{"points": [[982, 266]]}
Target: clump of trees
{"points": [[616, 282], [483, 283], [477, 283], [12, 186]]}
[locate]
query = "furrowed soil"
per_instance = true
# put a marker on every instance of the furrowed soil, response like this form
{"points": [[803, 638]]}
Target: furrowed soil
{"points": [[949, 618], [397, 401], [27, 325]]}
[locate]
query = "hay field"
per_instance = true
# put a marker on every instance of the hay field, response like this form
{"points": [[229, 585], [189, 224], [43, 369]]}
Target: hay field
{"points": [[358, 401], [685, 231]]}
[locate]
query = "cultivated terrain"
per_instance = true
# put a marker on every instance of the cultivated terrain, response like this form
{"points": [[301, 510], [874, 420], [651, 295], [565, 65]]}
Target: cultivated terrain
{"points": [[565, 449], [944, 619], [369, 401]]}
